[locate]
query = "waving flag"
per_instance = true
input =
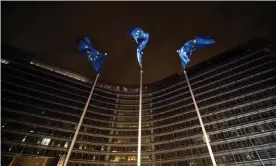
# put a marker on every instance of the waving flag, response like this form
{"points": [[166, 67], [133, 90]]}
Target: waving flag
{"points": [[185, 52], [94, 56], [141, 37]]}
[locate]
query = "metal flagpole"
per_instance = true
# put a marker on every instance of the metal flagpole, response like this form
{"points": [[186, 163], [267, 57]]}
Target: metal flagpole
{"points": [[140, 122], [141, 37], [206, 137], [80, 122]]}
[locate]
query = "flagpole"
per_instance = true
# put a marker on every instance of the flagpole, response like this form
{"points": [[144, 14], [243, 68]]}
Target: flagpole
{"points": [[140, 122], [80, 123], [206, 137]]}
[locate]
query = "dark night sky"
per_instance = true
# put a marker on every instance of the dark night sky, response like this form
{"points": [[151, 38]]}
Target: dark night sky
{"points": [[49, 29]]}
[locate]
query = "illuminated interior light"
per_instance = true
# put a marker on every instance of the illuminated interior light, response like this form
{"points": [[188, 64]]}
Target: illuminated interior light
{"points": [[23, 140], [45, 141], [66, 145]]}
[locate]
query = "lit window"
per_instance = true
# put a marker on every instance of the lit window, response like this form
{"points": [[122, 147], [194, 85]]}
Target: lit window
{"points": [[120, 158], [66, 145], [45, 141], [23, 140], [131, 158], [4, 124], [4, 61]]}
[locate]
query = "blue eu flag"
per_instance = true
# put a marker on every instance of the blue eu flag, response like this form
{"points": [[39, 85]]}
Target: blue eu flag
{"points": [[141, 37], [94, 56], [185, 52]]}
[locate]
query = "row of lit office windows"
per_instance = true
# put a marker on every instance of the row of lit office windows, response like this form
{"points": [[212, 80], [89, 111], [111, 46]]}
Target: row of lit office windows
{"points": [[249, 156], [40, 151], [56, 143], [76, 163], [21, 126]]}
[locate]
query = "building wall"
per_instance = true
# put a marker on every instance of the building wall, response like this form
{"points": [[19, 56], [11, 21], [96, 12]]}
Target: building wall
{"points": [[235, 92]]}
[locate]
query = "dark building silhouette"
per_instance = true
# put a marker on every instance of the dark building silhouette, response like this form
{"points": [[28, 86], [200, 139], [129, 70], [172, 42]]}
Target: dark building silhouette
{"points": [[235, 92]]}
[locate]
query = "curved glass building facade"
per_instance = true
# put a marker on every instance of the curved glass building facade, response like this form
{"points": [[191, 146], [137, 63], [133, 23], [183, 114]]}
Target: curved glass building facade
{"points": [[235, 92]]}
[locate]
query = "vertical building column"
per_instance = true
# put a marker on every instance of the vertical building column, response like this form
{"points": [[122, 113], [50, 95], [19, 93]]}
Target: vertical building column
{"points": [[152, 133], [113, 125]]}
